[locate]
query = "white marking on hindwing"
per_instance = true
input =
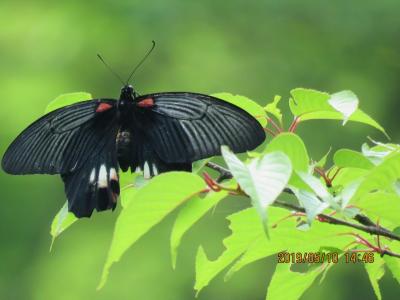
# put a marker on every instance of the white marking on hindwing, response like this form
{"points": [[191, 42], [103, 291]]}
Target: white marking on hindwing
{"points": [[138, 170], [92, 175], [113, 174], [102, 180], [155, 171], [146, 170]]}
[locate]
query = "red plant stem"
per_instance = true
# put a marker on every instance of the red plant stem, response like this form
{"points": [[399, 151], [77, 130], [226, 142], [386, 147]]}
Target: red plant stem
{"points": [[278, 129], [320, 172], [294, 214], [294, 124], [360, 250], [361, 240], [328, 182], [269, 131], [216, 187], [334, 175], [345, 248], [211, 183]]}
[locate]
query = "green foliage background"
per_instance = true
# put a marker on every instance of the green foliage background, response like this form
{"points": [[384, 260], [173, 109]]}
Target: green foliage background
{"points": [[254, 48]]}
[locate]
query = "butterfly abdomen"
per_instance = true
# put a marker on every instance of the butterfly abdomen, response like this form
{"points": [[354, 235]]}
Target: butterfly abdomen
{"points": [[124, 148]]}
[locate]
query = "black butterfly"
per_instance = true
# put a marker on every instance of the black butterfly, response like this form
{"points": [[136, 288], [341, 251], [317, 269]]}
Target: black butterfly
{"points": [[89, 141]]}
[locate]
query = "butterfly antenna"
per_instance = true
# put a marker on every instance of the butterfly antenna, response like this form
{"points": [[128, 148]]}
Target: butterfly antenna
{"points": [[110, 69], [142, 61]]}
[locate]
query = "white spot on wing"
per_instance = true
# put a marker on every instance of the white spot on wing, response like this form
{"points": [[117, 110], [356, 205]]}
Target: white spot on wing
{"points": [[138, 170], [102, 180], [113, 174], [92, 175], [146, 170], [155, 171]]}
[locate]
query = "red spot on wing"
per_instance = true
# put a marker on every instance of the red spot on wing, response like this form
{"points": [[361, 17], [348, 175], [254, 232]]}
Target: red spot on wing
{"points": [[148, 102], [103, 107]]}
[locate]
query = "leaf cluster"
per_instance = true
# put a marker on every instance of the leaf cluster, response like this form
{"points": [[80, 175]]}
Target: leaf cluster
{"points": [[297, 204]]}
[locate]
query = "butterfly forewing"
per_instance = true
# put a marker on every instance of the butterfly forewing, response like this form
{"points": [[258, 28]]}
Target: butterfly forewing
{"points": [[184, 127], [61, 140]]}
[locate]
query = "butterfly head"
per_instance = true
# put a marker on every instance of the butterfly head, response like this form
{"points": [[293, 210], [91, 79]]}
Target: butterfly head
{"points": [[128, 93]]}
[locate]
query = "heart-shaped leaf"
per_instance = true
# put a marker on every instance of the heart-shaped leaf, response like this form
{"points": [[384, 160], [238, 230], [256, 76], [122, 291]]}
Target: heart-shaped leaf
{"points": [[263, 179]]}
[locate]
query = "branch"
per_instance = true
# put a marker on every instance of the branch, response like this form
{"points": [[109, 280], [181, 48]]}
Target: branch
{"points": [[365, 225], [389, 253], [371, 229], [224, 174]]}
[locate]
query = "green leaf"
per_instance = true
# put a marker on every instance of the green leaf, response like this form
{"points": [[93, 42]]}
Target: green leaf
{"points": [[140, 181], [67, 99], [345, 102], [397, 187], [127, 195], [319, 189], [315, 184], [61, 222], [263, 179], [375, 272], [252, 107], [127, 179], [348, 192], [379, 146], [289, 285], [311, 204], [197, 166], [322, 162], [306, 101], [313, 105], [193, 210], [245, 229], [150, 205], [128, 188], [347, 176], [378, 153], [272, 108], [359, 116], [320, 235], [381, 177], [294, 148], [383, 205], [248, 238], [393, 265], [345, 158]]}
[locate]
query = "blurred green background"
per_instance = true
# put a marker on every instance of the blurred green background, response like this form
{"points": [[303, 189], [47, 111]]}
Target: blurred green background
{"points": [[253, 48]]}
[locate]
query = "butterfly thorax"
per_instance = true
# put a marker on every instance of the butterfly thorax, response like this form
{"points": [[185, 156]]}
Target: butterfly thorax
{"points": [[127, 96], [125, 105]]}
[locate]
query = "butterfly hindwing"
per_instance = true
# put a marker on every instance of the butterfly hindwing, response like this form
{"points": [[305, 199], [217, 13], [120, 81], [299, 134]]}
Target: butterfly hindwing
{"points": [[96, 184], [61, 140], [185, 127], [137, 153]]}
